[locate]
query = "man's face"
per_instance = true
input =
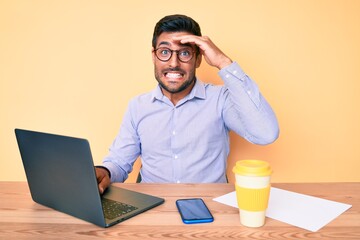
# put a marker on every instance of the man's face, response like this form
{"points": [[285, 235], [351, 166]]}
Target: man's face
{"points": [[173, 75]]}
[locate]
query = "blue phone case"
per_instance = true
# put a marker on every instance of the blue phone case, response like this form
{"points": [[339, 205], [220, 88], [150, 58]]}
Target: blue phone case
{"points": [[194, 210]]}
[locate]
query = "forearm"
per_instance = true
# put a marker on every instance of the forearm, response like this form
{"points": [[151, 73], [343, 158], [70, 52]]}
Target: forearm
{"points": [[123, 152], [247, 112]]}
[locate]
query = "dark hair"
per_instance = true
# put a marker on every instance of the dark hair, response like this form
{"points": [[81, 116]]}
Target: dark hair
{"points": [[176, 23]]}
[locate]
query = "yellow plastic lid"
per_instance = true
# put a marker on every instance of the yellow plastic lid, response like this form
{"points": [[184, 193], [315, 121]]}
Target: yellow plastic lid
{"points": [[252, 168]]}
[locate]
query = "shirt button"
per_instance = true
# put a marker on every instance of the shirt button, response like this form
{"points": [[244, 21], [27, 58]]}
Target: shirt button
{"points": [[234, 72], [176, 156], [249, 92], [227, 75], [173, 132], [178, 181]]}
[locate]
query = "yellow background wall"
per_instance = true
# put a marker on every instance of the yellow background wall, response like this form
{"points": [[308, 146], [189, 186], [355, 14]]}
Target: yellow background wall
{"points": [[70, 67]]}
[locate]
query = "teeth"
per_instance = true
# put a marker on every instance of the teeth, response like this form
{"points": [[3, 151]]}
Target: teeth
{"points": [[173, 75]]}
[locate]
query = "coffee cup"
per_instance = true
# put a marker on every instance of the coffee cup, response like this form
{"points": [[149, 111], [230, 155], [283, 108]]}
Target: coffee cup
{"points": [[252, 190]]}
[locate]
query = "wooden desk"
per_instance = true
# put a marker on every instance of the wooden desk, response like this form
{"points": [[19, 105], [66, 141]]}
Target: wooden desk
{"points": [[21, 218]]}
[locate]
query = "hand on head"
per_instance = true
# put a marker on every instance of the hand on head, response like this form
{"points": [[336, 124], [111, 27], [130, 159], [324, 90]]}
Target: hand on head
{"points": [[212, 54]]}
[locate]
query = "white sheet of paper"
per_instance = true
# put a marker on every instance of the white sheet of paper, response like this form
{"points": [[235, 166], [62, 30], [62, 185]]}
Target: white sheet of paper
{"points": [[304, 211]]}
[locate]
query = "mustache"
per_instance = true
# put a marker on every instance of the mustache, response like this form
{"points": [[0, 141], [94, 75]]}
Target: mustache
{"points": [[175, 69]]}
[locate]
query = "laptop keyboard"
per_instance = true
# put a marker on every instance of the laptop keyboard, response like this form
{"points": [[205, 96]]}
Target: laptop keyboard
{"points": [[113, 209]]}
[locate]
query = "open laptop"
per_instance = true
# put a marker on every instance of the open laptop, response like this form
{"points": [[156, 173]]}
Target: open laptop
{"points": [[61, 175]]}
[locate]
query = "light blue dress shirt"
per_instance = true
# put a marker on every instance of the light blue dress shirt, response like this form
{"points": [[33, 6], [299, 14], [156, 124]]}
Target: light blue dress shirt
{"points": [[189, 142]]}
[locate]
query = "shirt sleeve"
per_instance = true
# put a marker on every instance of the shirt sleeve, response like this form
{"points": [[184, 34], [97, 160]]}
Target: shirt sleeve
{"points": [[246, 111], [124, 150]]}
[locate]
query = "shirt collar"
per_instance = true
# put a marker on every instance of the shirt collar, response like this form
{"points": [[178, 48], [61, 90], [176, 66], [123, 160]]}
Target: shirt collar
{"points": [[198, 91]]}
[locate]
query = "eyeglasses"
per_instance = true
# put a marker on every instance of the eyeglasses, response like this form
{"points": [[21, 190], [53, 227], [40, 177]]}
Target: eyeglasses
{"points": [[164, 54]]}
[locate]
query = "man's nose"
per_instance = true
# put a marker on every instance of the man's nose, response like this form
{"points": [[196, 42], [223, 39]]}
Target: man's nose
{"points": [[174, 60]]}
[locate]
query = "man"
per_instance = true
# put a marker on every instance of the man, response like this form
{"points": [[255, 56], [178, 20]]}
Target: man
{"points": [[181, 129]]}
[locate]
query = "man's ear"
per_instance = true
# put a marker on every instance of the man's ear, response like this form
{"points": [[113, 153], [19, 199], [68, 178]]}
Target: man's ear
{"points": [[153, 55], [198, 60]]}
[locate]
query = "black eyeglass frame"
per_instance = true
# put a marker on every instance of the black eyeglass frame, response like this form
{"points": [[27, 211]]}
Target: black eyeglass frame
{"points": [[172, 51]]}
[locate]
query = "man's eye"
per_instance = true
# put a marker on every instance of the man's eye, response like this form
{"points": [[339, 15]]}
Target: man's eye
{"points": [[164, 52], [184, 53]]}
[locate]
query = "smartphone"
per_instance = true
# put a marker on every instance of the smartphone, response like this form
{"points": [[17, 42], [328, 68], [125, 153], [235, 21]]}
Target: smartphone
{"points": [[194, 210]]}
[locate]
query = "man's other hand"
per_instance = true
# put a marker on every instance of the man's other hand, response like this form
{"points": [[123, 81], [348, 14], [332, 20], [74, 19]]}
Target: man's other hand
{"points": [[103, 179]]}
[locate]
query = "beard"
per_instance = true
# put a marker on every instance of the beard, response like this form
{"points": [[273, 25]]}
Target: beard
{"points": [[175, 89]]}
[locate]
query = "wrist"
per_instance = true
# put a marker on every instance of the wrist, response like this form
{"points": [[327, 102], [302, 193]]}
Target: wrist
{"points": [[224, 63], [106, 170]]}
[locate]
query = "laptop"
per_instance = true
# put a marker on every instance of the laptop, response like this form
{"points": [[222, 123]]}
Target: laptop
{"points": [[61, 175]]}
